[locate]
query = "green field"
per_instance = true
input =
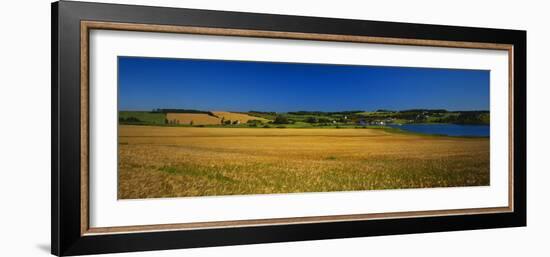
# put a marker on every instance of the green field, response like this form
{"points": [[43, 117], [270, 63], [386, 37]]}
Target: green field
{"points": [[137, 117], [303, 119]]}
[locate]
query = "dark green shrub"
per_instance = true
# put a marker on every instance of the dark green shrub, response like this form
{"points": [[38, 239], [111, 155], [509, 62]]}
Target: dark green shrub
{"points": [[281, 120]]}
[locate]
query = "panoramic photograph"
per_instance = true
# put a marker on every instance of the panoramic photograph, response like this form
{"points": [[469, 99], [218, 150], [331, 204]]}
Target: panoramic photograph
{"points": [[194, 127]]}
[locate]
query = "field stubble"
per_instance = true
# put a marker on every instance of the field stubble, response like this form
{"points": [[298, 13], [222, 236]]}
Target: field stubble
{"points": [[185, 161]]}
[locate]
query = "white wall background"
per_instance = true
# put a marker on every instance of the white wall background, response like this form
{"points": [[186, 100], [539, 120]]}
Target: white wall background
{"points": [[25, 127]]}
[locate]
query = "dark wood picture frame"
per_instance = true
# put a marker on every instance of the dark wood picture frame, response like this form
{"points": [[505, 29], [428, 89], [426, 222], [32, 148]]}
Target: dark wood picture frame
{"points": [[71, 22]]}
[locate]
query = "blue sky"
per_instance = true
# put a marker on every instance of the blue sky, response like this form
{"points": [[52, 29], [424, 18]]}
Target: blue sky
{"points": [[150, 83]]}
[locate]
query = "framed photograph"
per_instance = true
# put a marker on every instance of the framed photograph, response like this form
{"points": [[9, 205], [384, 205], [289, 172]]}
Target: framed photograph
{"points": [[178, 128]]}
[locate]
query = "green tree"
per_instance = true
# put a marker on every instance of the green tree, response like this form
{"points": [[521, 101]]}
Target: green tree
{"points": [[280, 119], [311, 120]]}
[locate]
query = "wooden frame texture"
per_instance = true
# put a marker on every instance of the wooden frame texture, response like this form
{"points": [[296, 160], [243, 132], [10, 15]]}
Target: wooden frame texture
{"points": [[71, 24]]}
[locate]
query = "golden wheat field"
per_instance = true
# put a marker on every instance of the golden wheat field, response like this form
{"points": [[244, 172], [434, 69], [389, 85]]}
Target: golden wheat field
{"points": [[243, 118], [191, 161]]}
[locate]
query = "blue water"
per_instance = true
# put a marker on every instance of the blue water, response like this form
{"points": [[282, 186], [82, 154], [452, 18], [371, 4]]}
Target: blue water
{"points": [[446, 129]]}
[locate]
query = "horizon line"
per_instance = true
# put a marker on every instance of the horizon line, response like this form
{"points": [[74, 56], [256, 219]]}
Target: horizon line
{"points": [[335, 111]]}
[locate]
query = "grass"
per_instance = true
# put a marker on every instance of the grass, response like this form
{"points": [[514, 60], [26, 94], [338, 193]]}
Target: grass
{"points": [[143, 117], [189, 161]]}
